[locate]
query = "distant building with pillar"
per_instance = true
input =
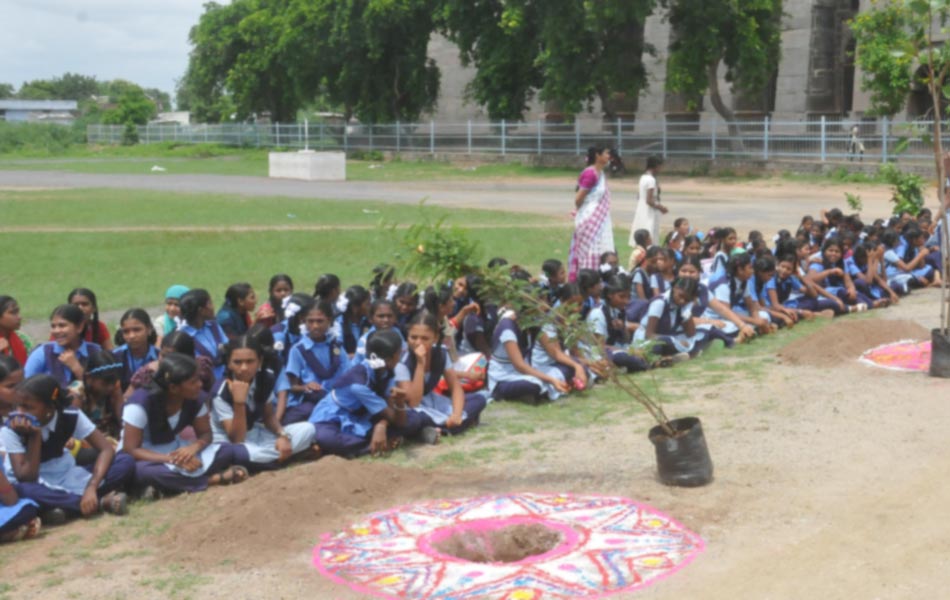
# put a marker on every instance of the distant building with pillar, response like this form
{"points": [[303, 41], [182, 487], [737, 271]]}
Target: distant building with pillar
{"points": [[816, 75]]}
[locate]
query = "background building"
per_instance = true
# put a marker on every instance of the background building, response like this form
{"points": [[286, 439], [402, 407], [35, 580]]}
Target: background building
{"points": [[62, 112], [816, 76]]}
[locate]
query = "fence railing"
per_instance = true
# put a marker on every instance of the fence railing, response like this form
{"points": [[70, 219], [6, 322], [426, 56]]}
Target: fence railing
{"points": [[819, 140]]}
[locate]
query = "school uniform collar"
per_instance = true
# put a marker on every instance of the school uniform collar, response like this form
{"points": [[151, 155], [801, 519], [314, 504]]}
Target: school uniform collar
{"points": [[82, 350], [308, 343]]}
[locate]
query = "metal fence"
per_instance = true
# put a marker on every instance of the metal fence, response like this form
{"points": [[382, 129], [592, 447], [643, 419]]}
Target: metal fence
{"points": [[818, 140]]}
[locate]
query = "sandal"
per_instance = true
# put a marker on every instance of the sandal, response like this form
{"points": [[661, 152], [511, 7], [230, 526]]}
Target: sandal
{"points": [[33, 528], [233, 475], [116, 503]]}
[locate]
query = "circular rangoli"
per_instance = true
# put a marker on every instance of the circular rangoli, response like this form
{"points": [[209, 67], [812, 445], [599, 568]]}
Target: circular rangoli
{"points": [[907, 355], [513, 547]]}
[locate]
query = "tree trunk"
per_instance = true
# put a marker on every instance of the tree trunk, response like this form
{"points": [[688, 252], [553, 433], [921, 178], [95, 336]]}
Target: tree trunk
{"points": [[735, 135], [939, 162]]}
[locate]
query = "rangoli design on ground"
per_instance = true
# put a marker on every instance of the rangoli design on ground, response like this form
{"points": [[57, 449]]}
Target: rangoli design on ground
{"points": [[906, 355], [602, 546]]}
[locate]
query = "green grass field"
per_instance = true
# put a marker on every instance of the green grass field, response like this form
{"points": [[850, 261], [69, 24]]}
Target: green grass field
{"points": [[133, 268], [209, 159]]}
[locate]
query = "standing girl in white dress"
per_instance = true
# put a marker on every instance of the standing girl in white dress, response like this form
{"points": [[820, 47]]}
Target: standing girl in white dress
{"points": [[649, 207]]}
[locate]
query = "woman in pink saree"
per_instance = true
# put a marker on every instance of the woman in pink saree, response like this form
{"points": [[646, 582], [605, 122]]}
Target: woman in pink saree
{"points": [[593, 230]]}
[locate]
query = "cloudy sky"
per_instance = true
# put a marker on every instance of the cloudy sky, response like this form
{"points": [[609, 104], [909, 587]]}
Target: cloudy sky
{"points": [[142, 41]]}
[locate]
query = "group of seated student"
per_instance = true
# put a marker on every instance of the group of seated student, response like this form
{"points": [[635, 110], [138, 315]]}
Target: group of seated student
{"points": [[200, 396]]}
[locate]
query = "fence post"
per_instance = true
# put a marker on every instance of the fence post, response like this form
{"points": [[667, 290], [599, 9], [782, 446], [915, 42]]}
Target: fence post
{"points": [[277, 137], [765, 138], [504, 144], [398, 142], [713, 138], [370, 137], [469, 136], [824, 140], [577, 136], [147, 128], [620, 136], [539, 137], [346, 136], [884, 136], [300, 143], [432, 138], [664, 137], [321, 134]]}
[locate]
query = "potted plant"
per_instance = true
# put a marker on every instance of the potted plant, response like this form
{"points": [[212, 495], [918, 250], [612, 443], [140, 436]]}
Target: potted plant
{"points": [[435, 253]]}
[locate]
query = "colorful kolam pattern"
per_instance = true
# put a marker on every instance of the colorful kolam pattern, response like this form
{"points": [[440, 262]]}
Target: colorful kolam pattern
{"points": [[906, 355], [607, 545]]}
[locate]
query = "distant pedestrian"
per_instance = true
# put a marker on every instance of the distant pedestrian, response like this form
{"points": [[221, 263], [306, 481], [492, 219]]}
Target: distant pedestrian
{"points": [[593, 231], [855, 145], [649, 207]]}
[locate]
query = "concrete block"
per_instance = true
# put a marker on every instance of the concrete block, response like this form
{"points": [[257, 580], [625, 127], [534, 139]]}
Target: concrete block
{"points": [[307, 165]]}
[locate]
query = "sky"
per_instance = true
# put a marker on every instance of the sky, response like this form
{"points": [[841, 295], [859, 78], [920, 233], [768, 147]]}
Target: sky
{"points": [[145, 42]]}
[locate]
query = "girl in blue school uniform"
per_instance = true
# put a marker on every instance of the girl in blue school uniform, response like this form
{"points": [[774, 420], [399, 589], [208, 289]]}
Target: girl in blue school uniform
{"points": [[153, 420], [727, 240], [592, 288], [168, 321], [365, 412], [553, 276], [476, 329], [420, 372], [799, 295], [670, 324], [382, 317], [764, 281], [11, 374], [65, 357], [866, 267], [831, 274], [197, 313], [175, 342], [610, 325], [243, 411], [665, 274], [736, 291], [406, 302], [136, 338], [548, 353], [691, 268], [313, 367], [327, 288], [234, 316], [40, 467], [292, 329], [641, 284], [349, 325], [905, 261], [510, 375], [18, 516]]}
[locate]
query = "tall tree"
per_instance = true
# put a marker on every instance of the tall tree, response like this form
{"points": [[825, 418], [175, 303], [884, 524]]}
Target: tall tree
{"points": [[743, 35], [570, 52], [901, 44], [216, 44], [6, 90], [501, 40], [134, 108]]}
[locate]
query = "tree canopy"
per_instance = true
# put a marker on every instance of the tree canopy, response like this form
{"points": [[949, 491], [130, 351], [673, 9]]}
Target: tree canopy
{"points": [[744, 35]]}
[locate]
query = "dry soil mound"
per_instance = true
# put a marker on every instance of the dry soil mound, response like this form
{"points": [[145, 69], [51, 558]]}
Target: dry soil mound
{"points": [[845, 341]]}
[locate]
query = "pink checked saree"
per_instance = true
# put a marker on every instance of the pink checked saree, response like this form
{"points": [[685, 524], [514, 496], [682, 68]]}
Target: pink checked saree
{"points": [[593, 230]]}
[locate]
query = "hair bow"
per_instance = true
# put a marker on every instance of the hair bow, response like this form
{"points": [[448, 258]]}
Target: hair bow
{"points": [[375, 362]]}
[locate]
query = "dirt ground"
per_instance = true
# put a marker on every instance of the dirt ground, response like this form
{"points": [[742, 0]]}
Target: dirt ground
{"points": [[827, 484]]}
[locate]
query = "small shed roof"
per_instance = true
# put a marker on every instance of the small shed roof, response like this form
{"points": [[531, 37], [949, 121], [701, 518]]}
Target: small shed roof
{"points": [[58, 105]]}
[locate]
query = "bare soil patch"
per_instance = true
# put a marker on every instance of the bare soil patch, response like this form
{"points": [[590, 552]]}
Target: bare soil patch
{"points": [[845, 341], [254, 521]]}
